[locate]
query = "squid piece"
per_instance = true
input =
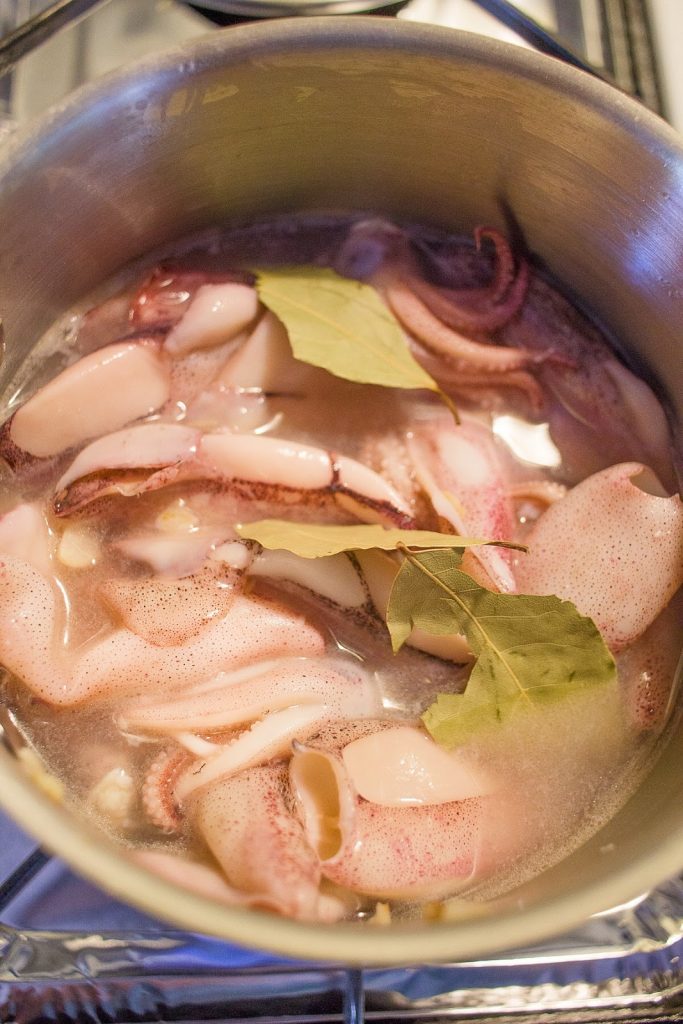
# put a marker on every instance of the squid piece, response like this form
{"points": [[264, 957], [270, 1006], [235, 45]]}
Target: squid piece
{"points": [[210, 883], [247, 824], [25, 535], [156, 795], [437, 317], [170, 555], [28, 629], [298, 470], [469, 356], [448, 327], [170, 612], [403, 766], [100, 393], [374, 244], [618, 528], [199, 878], [254, 466], [485, 309], [128, 462], [147, 446], [379, 572], [263, 360], [408, 853], [484, 387], [270, 737], [165, 296], [333, 577], [461, 471], [601, 412], [181, 540], [121, 662], [217, 313], [230, 700], [253, 630], [424, 851]]}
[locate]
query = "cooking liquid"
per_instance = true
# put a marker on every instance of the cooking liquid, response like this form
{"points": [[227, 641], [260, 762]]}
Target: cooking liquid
{"points": [[558, 774]]}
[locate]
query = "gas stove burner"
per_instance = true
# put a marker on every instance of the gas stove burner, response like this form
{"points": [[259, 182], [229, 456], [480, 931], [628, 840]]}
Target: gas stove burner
{"points": [[228, 12]]}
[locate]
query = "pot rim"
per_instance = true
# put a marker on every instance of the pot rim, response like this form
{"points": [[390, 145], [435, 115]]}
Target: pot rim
{"points": [[259, 39], [92, 853]]}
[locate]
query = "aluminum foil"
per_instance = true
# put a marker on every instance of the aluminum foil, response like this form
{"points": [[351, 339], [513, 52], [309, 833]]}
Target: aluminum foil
{"points": [[70, 952]]}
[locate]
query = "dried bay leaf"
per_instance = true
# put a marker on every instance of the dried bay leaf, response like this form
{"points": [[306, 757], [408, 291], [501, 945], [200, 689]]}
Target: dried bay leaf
{"points": [[342, 326], [316, 540], [528, 649]]}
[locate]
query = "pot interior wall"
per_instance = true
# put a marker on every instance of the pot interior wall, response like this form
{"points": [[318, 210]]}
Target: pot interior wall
{"points": [[423, 125], [431, 130]]}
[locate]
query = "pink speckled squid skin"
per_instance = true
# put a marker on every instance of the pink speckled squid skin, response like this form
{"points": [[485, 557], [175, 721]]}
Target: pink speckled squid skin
{"points": [[122, 662], [611, 548], [232, 699], [256, 467], [409, 853], [247, 822], [387, 850], [461, 469]]}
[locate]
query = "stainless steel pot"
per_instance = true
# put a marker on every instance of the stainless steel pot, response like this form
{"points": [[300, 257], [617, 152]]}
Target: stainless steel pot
{"points": [[414, 122]]}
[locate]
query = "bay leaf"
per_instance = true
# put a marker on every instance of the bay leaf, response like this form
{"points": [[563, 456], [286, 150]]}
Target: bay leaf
{"points": [[342, 326], [528, 649], [315, 540]]}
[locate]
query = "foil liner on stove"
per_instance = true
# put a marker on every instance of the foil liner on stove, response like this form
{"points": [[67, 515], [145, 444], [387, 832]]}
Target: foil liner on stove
{"points": [[69, 952]]}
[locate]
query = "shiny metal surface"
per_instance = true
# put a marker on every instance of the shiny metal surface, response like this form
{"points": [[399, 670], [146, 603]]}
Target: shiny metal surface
{"points": [[41, 27], [420, 124], [290, 8], [64, 940]]}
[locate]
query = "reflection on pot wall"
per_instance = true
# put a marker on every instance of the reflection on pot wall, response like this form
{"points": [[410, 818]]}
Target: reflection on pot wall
{"points": [[607, 35]]}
